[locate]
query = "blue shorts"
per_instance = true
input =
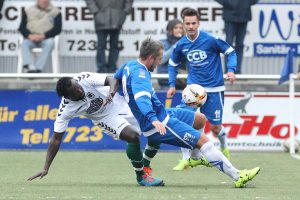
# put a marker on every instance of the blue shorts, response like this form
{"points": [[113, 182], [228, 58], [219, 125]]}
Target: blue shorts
{"points": [[178, 134], [184, 115], [212, 109]]}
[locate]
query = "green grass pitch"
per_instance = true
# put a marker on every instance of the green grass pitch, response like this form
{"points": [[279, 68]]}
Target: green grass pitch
{"points": [[109, 175]]}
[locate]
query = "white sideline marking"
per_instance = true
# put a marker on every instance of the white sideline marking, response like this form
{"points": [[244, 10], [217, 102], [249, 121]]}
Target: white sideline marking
{"points": [[296, 156]]}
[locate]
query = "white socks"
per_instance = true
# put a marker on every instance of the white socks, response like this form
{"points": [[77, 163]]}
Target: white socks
{"points": [[218, 160], [186, 153], [222, 138], [196, 154]]}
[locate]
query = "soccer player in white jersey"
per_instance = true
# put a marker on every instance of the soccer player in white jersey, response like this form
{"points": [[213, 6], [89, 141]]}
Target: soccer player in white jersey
{"points": [[156, 123], [202, 50], [93, 96]]}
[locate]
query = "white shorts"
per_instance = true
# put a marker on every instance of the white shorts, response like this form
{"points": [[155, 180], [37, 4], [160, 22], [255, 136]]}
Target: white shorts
{"points": [[113, 125]]}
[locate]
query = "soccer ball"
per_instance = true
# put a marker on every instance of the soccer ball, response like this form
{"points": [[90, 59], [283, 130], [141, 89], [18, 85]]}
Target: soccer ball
{"points": [[286, 145], [194, 95]]}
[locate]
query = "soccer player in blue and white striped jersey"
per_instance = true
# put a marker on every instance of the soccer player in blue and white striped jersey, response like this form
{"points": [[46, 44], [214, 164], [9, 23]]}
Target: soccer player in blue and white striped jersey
{"points": [[202, 52]]}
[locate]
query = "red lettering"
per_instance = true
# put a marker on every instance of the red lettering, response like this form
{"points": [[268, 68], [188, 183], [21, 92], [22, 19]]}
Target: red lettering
{"points": [[276, 131], [233, 131], [250, 122], [265, 128]]}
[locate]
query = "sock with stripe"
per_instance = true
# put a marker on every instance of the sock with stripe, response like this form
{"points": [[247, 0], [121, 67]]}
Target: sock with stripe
{"points": [[222, 138], [151, 150], [218, 160], [136, 158]]}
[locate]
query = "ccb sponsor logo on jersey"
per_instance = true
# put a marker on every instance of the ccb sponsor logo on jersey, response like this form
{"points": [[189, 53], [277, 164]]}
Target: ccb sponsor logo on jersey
{"points": [[196, 56]]}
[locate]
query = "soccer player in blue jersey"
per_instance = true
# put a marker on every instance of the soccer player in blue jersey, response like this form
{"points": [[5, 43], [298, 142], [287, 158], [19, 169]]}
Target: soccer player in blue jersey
{"points": [[155, 122], [202, 51]]}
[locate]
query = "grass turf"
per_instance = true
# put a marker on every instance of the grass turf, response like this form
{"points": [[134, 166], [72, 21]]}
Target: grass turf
{"points": [[109, 175]]}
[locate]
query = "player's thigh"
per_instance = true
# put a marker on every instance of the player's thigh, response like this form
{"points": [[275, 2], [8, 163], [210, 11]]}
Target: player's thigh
{"points": [[131, 119], [178, 134], [113, 125], [183, 105], [213, 108], [184, 115], [126, 112]]}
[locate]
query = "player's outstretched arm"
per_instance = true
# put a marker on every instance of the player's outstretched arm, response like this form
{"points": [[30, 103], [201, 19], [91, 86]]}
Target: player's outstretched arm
{"points": [[51, 153]]}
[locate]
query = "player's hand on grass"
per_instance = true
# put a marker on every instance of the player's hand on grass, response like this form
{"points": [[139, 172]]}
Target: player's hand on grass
{"points": [[160, 127], [40, 174]]}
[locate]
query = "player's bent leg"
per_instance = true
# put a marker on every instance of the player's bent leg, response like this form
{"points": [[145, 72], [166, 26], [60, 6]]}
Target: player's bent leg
{"points": [[199, 121], [151, 150], [119, 128], [130, 134], [136, 157]]}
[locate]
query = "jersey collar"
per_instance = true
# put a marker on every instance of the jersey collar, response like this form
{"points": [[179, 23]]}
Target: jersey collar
{"points": [[138, 60], [195, 38]]}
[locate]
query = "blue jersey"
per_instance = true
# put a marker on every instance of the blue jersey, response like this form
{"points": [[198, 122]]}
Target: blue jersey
{"points": [[204, 62], [137, 89]]}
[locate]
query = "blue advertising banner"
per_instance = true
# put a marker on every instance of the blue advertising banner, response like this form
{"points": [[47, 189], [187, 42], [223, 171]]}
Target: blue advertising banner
{"points": [[27, 118]]}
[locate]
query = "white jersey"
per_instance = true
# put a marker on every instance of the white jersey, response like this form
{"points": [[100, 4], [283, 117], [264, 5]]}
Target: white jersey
{"points": [[113, 117]]}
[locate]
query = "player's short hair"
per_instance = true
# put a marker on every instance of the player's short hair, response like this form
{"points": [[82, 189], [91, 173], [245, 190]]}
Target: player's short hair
{"points": [[62, 86], [189, 12], [150, 47]]}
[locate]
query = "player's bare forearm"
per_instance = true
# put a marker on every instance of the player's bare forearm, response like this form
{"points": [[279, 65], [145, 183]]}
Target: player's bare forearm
{"points": [[53, 149], [51, 153], [113, 84]]}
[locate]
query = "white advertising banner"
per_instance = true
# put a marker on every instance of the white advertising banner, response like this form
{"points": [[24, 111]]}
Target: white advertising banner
{"points": [[257, 121], [274, 29]]}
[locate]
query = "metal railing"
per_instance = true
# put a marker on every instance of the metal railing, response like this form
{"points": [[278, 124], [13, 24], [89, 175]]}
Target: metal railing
{"points": [[155, 76]]}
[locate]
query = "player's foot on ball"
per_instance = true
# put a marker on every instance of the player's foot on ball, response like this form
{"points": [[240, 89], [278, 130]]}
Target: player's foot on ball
{"points": [[150, 181], [182, 165], [202, 161], [245, 176], [148, 171], [226, 152]]}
